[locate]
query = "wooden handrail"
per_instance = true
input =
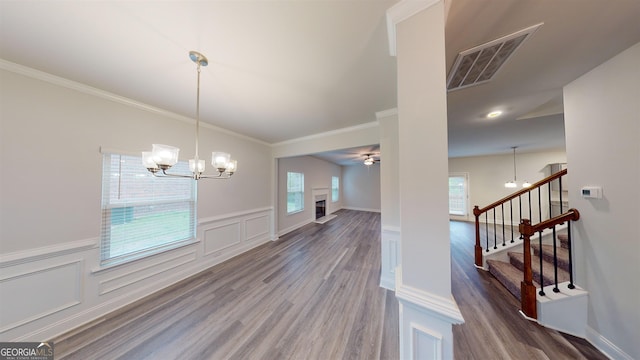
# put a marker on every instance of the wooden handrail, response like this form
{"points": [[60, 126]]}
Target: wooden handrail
{"points": [[477, 211], [528, 296], [527, 229]]}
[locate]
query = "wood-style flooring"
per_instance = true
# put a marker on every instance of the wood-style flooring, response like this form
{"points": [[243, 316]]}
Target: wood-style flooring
{"points": [[313, 294]]}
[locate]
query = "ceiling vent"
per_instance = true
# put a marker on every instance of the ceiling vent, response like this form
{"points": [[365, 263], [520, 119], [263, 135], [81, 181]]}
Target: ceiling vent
{"points": [[481, 63]]}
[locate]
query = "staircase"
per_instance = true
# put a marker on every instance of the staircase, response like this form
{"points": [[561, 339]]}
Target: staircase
{"points": [[510, 274], [540, 276]]}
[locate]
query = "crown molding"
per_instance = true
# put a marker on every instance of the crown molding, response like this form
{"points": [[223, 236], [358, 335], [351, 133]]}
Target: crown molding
{"points": [[400, 12], [86, 89], [368, 125]]}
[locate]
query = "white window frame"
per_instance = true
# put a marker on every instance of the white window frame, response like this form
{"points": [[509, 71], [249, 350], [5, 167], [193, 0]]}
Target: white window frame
{"points": [[335, 188], [143, 215], [293, 189]]}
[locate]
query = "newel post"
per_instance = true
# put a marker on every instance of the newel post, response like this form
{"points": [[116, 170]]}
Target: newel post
{"points": [[478, 248], [527, 289]]}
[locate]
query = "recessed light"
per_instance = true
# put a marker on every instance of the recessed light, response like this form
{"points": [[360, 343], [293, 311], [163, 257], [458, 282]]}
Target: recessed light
{"points": [[494, 114]]}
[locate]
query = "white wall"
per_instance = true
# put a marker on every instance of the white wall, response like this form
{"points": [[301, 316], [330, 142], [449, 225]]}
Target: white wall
{"points": [[487, 175], [51, 131], [602, 121], [317, 174], [361, 187]]}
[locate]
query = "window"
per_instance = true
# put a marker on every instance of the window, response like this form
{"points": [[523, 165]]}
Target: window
{"points": [[142, 214], [458, 194], [295, 192], [335, 188]]}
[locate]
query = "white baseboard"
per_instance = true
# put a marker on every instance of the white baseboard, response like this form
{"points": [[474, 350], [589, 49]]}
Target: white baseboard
{"points": [[294, 227], [360, 209], [605, 346]]}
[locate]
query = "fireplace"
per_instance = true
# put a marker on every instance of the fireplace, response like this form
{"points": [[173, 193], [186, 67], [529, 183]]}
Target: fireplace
{"points": [[321, 208], [320, 196]]}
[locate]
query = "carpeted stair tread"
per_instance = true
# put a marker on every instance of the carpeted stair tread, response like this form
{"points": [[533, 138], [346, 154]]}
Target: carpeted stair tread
{"points": [[517, 260], [508, 275], [562, 255], [564, 240]]}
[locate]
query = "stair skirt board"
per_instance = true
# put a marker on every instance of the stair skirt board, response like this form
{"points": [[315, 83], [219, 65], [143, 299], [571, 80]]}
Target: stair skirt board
{"points": [[565, 311]]}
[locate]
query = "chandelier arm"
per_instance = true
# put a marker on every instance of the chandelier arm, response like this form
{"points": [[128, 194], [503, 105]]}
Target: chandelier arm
{"points": [[175, 175], [219, 177]]}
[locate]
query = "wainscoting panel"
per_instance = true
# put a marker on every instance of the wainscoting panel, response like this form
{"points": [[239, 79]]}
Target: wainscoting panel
{"points": [[257, 227], [425, 322], [426, 344], [220, 237], [166, 263], [390, 242], [34, 294], [51, 290]]}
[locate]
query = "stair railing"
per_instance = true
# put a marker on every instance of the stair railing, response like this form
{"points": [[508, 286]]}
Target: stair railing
{"points": [[527, 193], [527, 288]]}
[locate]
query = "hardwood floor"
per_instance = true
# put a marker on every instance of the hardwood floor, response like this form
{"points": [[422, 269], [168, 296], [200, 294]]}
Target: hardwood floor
{"points": [[314, 294]]}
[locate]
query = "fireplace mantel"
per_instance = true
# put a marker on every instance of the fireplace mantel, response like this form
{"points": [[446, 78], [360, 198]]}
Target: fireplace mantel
{"points": [[318, 194]]}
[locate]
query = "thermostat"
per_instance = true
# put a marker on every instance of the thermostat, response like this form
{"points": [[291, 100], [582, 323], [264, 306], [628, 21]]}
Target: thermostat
{"points": [[592, 192]]}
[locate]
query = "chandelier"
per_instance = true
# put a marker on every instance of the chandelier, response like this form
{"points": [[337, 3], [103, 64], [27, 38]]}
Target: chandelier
{"points": [[162, 157], [512, 184]]}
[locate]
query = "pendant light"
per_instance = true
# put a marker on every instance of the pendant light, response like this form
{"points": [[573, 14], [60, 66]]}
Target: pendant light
{"points": [[512, 183], [162, 157]]}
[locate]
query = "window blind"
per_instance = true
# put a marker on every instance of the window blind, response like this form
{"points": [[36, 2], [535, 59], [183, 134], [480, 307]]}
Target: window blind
{"points": [[295, 192], [142, 214]]}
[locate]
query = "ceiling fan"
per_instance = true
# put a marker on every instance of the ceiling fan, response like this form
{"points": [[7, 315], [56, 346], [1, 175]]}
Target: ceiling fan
{"points": [[370, 160]]}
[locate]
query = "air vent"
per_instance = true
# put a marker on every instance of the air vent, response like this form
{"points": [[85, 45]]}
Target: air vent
{"points": [[481, 63]]}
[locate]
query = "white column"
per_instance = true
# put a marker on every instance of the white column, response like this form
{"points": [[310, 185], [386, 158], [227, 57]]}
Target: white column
{"points": [[423, 279]]}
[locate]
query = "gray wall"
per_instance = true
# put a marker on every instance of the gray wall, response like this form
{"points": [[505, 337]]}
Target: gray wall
{"points": [[603, 149], [361, 187]]}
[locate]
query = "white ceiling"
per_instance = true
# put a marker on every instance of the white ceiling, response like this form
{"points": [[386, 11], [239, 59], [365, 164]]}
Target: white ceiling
{"points": [[280, 70]]}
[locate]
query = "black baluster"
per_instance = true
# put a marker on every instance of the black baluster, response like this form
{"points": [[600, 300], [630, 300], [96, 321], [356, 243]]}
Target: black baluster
{"points": [[560, 187], [540, 204], [502, 210], [495, 231], [555, 262], [549, 189], [486, 227], [511, 223], [540, 256], [571, 286], [529, 193]]}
